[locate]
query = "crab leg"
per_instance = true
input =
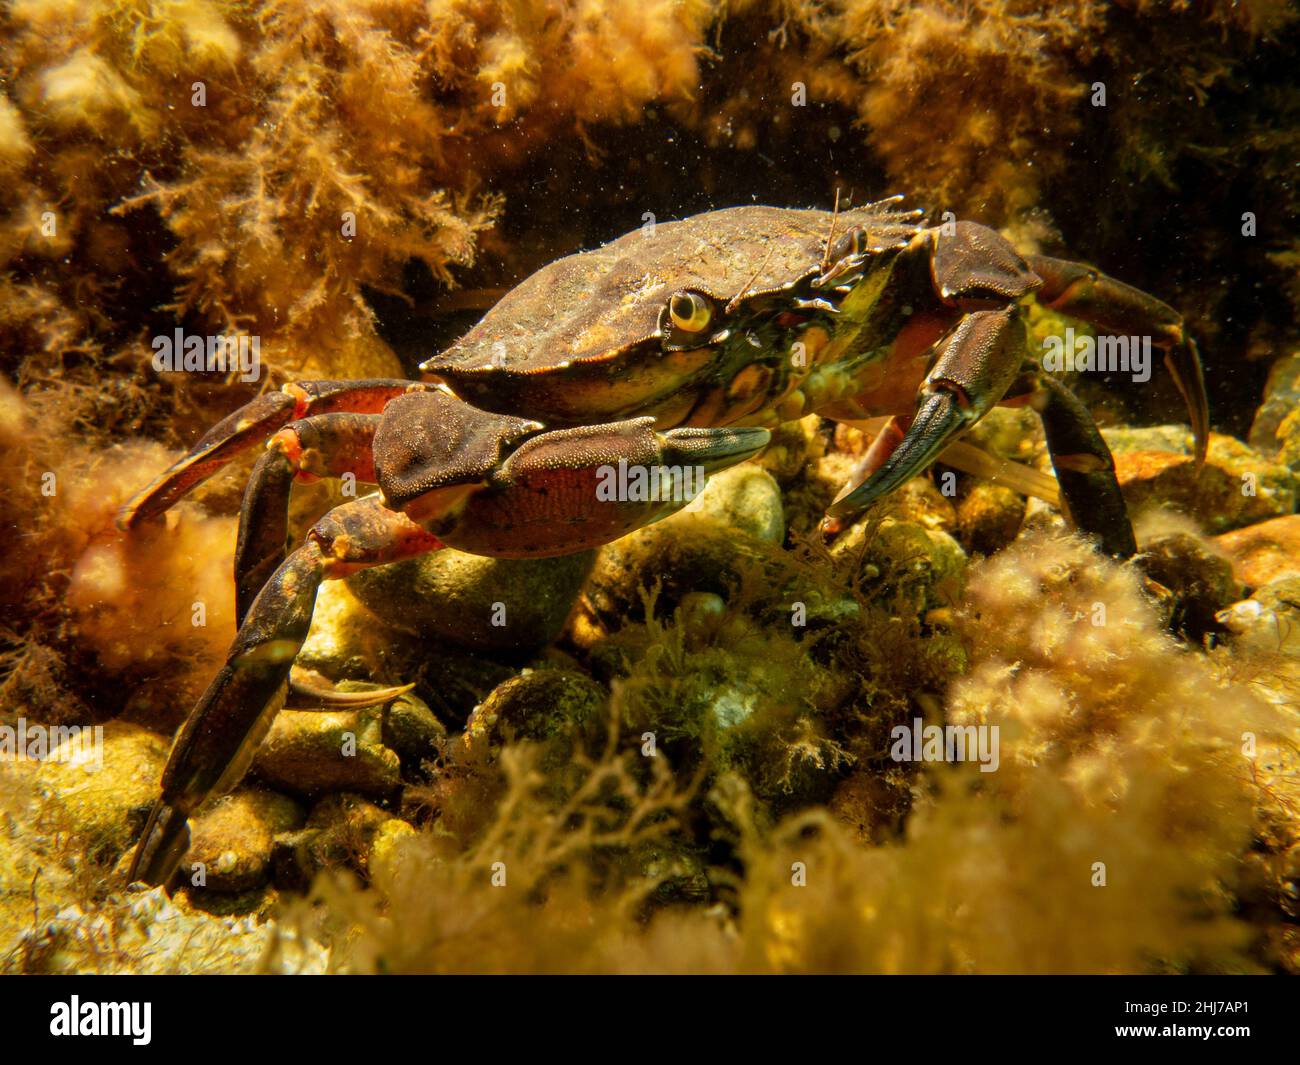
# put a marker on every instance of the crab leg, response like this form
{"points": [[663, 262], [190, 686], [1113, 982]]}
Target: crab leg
{"points": [[1085, 292], [325, 445], [252, 424], [1090, 494], [979, 365], [216, 744]]}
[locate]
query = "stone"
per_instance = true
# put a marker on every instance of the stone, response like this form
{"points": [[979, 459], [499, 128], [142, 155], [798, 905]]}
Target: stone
{"points": [[106, 800], [231, 841], [489, 605], [1264, 552], [311, 752], [745, 497], [1238, 486]]}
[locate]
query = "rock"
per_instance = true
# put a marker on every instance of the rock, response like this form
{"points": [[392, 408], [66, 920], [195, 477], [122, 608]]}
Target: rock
{"points": [[105, 798], [310, 752], [149, 933], [1200, 579], [691, 553], [747, 498], [1264, 552], [1176, 439], [231, 842], [490, 605], [543, 705], [1281, 400], [1237, 487], [1011, 432], [1288, 441], [348, 641], [386, 846], [989, 517], [413, 731], [793, 445], [902, 557], [920, 501], [341, 830], [1269, 621]]}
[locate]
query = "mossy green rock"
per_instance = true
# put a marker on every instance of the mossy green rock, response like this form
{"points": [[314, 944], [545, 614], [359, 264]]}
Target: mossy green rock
{"points": [[491, 605], [543, 705], [309, 752], [105, 802]]}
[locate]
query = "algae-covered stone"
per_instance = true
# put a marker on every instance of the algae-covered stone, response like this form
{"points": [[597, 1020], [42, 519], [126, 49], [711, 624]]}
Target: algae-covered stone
{"points": [[413, 731], [1176, 439], [346, 640], [742, 697], [1200, 579], [1265, 552], [481, 604], [793, 444], [905, 558], [989, 516], [921, 501], [1281, 402], [1011, 432], [542, 705], [231, 841], [1288, 441], [151, 933], [313, 752], [692, 553], [341, 830], [1238, 486], [386, 845], [745, 497], [105, 794]]}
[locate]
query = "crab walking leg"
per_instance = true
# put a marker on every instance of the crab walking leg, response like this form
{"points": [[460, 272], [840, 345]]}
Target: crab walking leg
{"points": [[325, 445], [217, 742], [1085, 292], [1090, 494], [249, 426]]}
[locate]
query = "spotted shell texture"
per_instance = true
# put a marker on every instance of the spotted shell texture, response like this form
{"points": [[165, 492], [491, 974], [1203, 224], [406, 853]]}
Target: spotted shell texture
{"points": [[595, 304]]}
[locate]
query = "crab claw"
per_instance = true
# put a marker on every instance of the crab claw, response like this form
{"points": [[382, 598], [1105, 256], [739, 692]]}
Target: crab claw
{"points": [[712, 449], [940, 419], [973, 368]]}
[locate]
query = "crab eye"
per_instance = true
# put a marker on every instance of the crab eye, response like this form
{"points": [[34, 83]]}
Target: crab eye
{"points": [[854, 242], [690, 312]]}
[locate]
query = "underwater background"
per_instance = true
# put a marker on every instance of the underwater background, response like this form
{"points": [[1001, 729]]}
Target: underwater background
{"points": [[354, 182]]}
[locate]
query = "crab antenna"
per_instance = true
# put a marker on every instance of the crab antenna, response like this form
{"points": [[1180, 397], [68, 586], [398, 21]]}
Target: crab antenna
{"points": [[835, 214]]}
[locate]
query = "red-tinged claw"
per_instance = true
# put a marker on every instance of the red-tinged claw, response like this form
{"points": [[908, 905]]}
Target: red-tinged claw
{"points": [[246, 427]]}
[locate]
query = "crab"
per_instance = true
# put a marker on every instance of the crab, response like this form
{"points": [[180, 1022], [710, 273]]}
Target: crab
{"points": [[677, 345]]}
